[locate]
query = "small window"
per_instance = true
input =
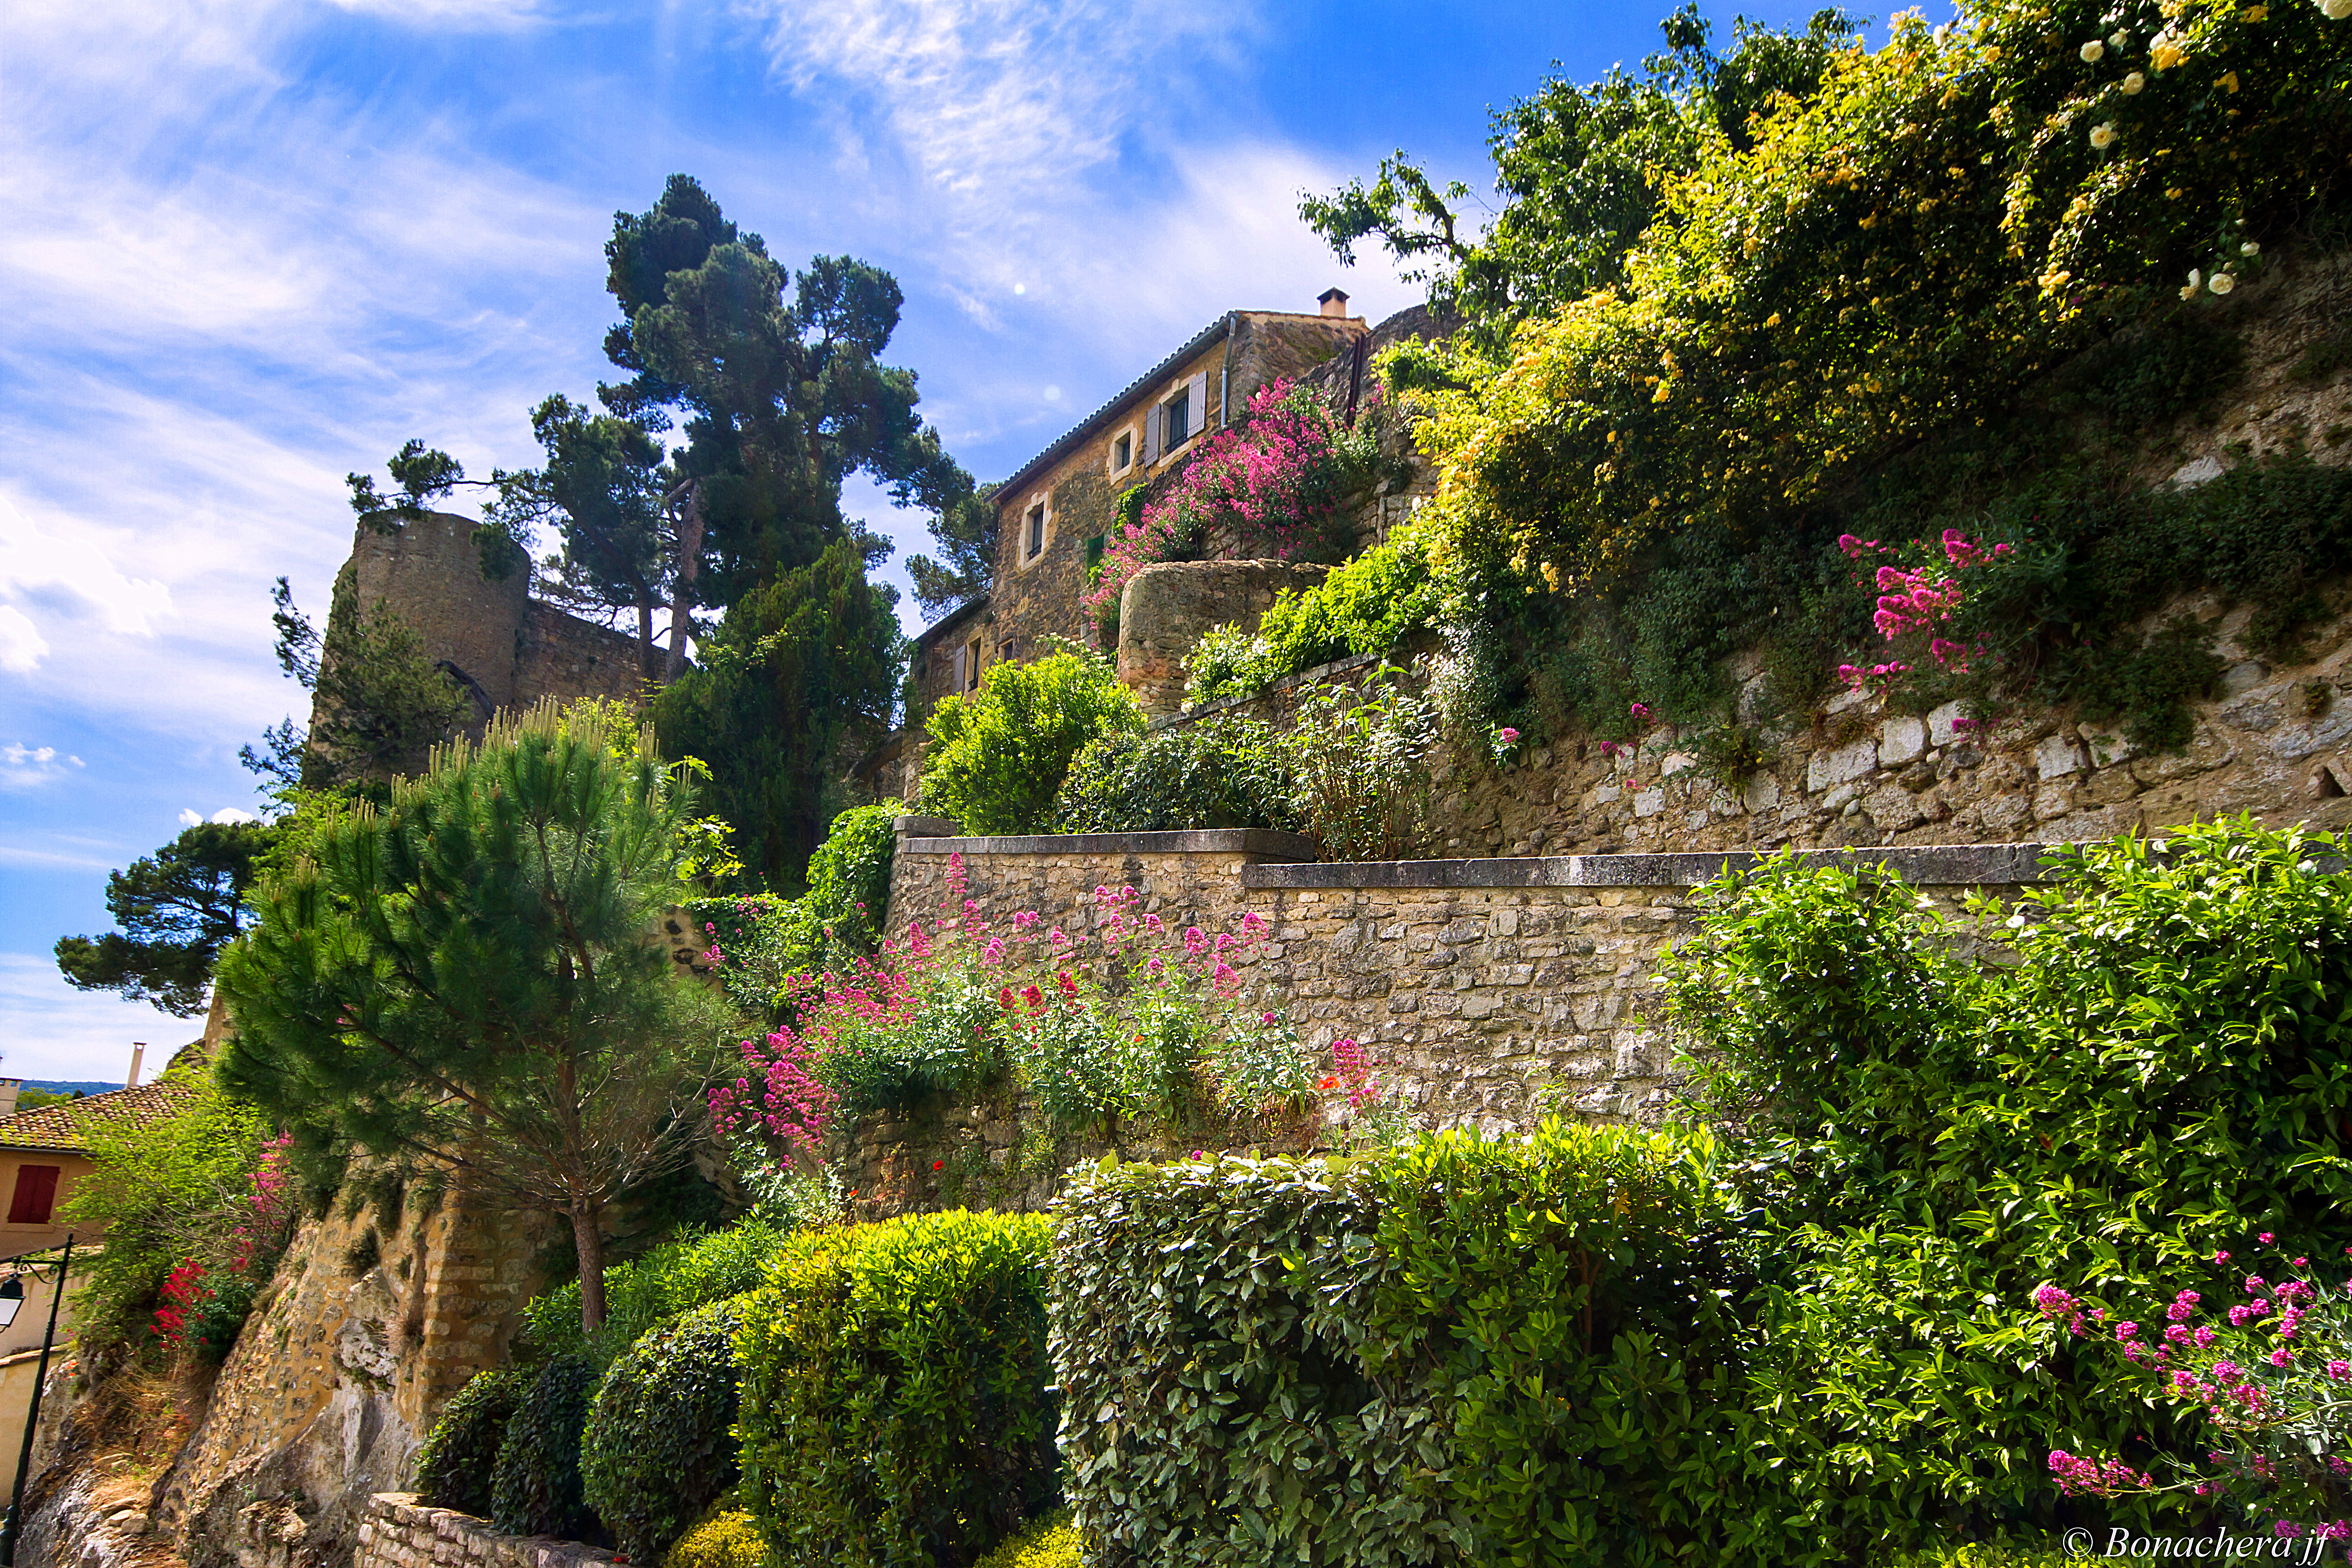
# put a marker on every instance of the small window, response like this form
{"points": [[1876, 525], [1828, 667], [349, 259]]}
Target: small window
{"points": [[1004, 651], [37, 1194], [1094, 552], [1180, 419], [1122, 454], [971, 667], [1034, 540]]}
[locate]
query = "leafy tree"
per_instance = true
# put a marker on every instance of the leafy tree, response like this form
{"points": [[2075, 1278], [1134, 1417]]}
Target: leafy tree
{"points": [[797, 678], [778, 380], [998, 757], [379, 702], [604, 493], [463, 976], [966, 532], [1580, 170], [178, 908]]}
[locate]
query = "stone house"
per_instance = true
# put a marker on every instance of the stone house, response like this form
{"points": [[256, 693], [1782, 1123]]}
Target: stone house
{"points": [[1053, 513]]}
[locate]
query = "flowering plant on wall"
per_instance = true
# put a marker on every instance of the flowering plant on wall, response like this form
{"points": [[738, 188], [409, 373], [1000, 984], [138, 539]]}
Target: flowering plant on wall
{"points": [[2259, 1362], [1273, 485], [1130, 1019]]}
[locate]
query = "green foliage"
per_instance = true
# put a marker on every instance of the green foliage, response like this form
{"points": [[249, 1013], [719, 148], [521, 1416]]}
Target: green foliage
{"points": [[1362, 768], [464, 976], [535, 1484], [998, 757], [1224, 772], [895, 1409], [729, 1538], [1052, 1543], [1907, 293], [163, 1192], [1369, 606], [659, 1448], [1922, 1142], [677, 1277], [799, 675], [178, 908], [457, 1462], [380, 702], [765, 946], [1508, 1351]]}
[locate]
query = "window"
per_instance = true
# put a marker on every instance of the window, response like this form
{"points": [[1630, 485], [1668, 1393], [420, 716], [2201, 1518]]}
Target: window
{"points": [[1033, 543], [970, 659], [37, 1194], [1004, 651], [956, 665], [1178, 414], [1122, 454]]}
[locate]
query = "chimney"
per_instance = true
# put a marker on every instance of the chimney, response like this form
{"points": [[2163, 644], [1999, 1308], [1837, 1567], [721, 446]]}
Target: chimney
{"points": [[1333, 301], [8, 1088], [138, 1055]]}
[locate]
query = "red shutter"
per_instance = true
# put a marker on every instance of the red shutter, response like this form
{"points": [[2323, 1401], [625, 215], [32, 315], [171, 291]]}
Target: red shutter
{"points": [[37, 1193]]}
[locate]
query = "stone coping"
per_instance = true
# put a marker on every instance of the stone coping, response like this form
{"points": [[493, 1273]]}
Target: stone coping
{"points": [[1255, 842], [1926, 865]]}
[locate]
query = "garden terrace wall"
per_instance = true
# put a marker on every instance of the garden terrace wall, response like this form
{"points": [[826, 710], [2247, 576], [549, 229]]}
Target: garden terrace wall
{"points": [[401, 1532], [1494, 991]]}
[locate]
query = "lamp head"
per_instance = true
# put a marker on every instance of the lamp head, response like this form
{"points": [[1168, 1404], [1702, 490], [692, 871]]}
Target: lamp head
{"points": [[12, 1296]]}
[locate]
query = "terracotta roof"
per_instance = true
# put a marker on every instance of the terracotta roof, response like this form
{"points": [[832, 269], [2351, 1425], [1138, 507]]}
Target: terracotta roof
{"points": [[60, 1126]]}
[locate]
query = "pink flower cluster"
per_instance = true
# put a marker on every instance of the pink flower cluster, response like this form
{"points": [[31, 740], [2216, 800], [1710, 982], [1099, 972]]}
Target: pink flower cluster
{"points": [[778, 1093], [1270, 481], [1354, 1072], [1918, 598], [2081, 1477]]}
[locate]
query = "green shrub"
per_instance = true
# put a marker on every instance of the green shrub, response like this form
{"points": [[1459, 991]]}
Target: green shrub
{"points": [[893, 1397], [458, 1456], [1053, 1542], [675, 1277], [1224, 772], [535, 1485], [728, 1538], [998, 756], [1369, 606], [660, 1449], [1921, 1143], [1472, 1350], [849, 875], [1362, 762]]}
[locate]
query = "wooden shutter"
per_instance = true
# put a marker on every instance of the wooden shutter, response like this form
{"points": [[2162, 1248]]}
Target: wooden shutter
{"points": [[959, 669], [1198, 403], [37, 1194], [1152, 420]]}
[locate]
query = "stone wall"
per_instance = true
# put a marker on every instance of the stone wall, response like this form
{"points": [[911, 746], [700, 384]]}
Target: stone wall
{"points": [[401, 1532], [369, 1326], [1165, 608], [1495, 991]]}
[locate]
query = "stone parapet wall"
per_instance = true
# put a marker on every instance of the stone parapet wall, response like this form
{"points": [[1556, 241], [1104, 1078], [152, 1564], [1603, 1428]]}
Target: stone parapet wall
{"points": [[401, 1532], [1494, 991]]}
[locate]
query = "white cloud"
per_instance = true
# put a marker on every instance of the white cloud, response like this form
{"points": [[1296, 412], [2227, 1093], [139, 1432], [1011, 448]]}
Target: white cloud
{"points": [[225, 813], [22, 646], [21, 767], [441, 15]]}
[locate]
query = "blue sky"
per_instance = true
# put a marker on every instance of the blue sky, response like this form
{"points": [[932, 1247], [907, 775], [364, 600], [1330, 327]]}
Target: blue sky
{"points": [[248, 245]]}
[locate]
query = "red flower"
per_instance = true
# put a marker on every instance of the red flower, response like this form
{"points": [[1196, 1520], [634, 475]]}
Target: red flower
{"points": [[939, 1165]]}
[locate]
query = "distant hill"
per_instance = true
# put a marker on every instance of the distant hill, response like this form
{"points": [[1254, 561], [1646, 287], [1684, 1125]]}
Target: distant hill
{"points": [[76, 1086]]}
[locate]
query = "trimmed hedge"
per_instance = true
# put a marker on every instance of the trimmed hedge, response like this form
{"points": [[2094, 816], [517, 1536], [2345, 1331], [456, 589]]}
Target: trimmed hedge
{"points": [[675, 1277], [660, 1445], [895, 1409], [1494, 1352], [454, 1463], [535, 1487]]}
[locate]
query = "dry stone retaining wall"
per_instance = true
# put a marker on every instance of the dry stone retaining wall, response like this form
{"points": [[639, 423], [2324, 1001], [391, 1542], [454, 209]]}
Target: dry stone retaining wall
{"points": [[401, 1532], [1495, 991]]}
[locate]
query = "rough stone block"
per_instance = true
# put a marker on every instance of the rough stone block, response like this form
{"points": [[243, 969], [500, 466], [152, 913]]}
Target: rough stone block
{"points": [[1840, 764], [2057, 756], [1901, 740]]}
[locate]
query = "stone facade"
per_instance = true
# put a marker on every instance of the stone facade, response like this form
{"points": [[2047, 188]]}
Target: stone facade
{"points": [[401, 1532], [1495, 991], [507, 647], [1165, 608], [369, 1326]]}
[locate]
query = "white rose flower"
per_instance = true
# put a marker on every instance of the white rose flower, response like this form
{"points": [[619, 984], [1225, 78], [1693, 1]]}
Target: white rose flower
{"points": [[2118, 39], [2134, 82], [2195, 281], [2251, 247], [2223, 283], [2093, 52], [2103, 136], [2336, 10]]}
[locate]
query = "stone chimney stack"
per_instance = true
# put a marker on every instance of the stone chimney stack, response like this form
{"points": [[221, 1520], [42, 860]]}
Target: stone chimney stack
{"points": [[1334, 303], [138, 1055]]}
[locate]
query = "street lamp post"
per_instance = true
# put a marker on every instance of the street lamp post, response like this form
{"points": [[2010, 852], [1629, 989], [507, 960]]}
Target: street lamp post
{"points": [[33, 1414]]}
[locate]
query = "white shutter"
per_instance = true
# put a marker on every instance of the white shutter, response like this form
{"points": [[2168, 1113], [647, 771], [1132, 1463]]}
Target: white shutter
{"points": [[1197, 405], [959, 669], [1152, 420]]}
